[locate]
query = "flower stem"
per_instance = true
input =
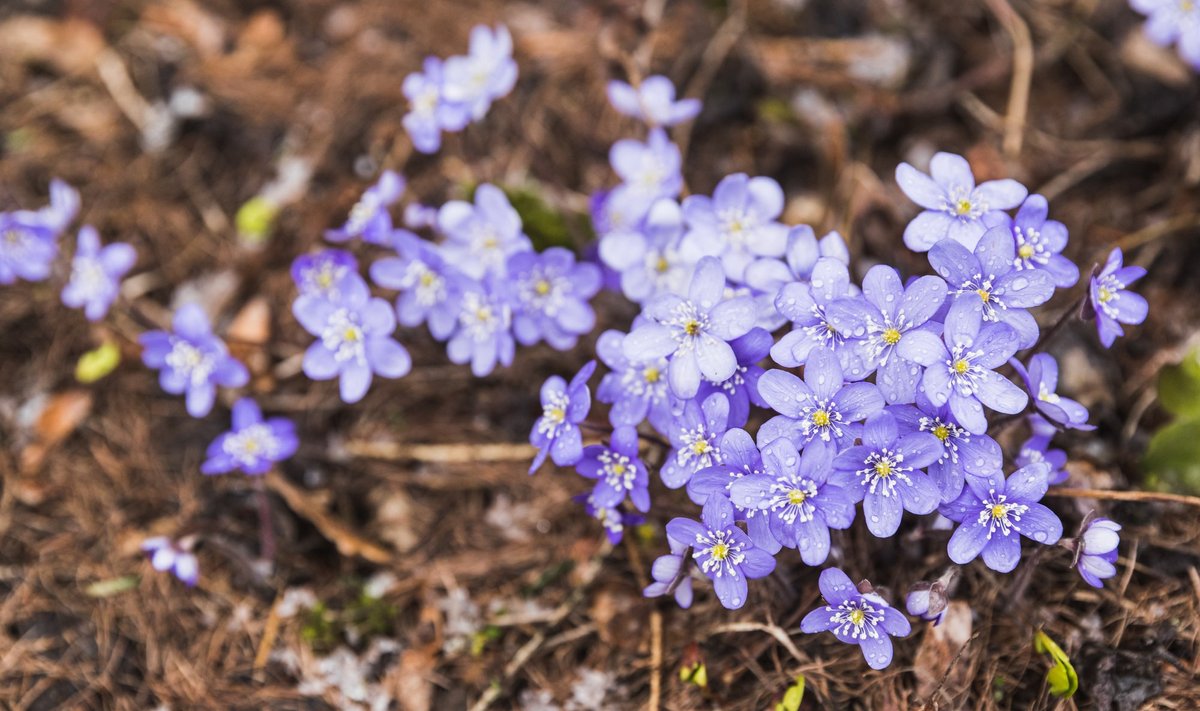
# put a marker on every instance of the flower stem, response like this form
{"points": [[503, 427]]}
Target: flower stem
{"points": [[266, 529]]}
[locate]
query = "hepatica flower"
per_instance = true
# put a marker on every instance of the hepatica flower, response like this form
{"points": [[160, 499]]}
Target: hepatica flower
{"points": [[768, 276], [480, 237], [960, 369], [483, 337], [955, 207], [1037, 450], [369, 218], [192, 360], [1173, 21], [430, 288], [1039, 241], [695, 332], [1041, 380], [739, 458], [885, 473], [742, 387], [856, 618], [176, 557], [96, 273], [429, 112], [551, 297], [611, 518], [324, 274], [668, 570], [253, 445], [962, 453], [696, 436], [724, 553], [564, 405], [652, 102], [793, 497], [618, 471], [354, 340], [1112, 304], [635, 390], [29, 238], [1096, 550], [993, 514], [738, 223], [648, 171], [807, 305], [486, 73], [647, 255], [927, 600]]}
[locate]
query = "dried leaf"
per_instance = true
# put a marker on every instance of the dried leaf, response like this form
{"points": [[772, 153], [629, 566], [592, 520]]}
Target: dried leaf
{"points": [[349, 543], [62, 415]]}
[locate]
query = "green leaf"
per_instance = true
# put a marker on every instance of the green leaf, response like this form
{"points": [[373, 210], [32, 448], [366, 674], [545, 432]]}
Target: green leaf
{"points": [[545, 226], [694, 674], [1172, 461], [255, 219], [1179, 387], [113, 586], [97, 363], [1062, 678], [793, 696]]}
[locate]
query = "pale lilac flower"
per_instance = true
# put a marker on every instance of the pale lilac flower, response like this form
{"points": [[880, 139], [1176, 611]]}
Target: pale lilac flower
{"points": [[993, 514], [1111, 303], [797, 500], [696, 435], [635, 390], [666, 570], [483, 337], [649, 171], [864, 619], [878, 321], [564, 405], [739, 223], [739, 457], [694, 331], [369, 218], [1041, 380], [430, 287], [989, 277], [768, 276], [354, 340], [618, 470], [612, 518], [724, 553], [1096, 550], [429, 111], [648, 256], [885, 473], [176, 557], [192, 360], [1037, 450], [253, 444], [1173, 22], [955, 207], [486, 73], [652, 102], [742, 387], [325, 273], [480, 237], [96, 273], [29, 238], [820, 410], [806, 305], [419, 217], [959, 370], [1039, 242], [551, 294], [963, 454]]}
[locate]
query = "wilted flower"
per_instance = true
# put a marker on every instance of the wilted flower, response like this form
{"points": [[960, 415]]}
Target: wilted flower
{"points": [[864, 619], [1096, 550], [252, 445], [927, 600], [955, 207], [369, 218], [652, 102], [1111, 303], [192, 360], [96, 273], [176, 557], [724, 552], [564, 405]]}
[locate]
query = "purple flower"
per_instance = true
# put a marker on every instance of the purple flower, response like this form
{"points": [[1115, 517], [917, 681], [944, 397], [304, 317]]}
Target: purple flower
{"points": [[959, 370], [1096, 550], [481, 237], [96, 273], [647, 256], [652, 102], [354, 340], [1039, 241], [611, 518], [192, 360], [635, 390], [989, 277], [1111, 303], [1041, 380], [742, 387], [483, 337], [806, 306], [724, 552], [994, 513], [1173, 21], [877, 323], [369, 218], [796, 505], [768, 276], [665, 571], [695, 332], [617, 470], [430, 288], [564, 405], [696, 437], [324, 274], [884, 472], [739, 458], [551, 297], [648, 171], [253, 445], [486, 73], [954, 206], [429, 111], [419, 217], [176, 557], [928, 600], [856, 618], [819, 410], [29, 239], [962, 453], [738, 223], [1036, 450]]}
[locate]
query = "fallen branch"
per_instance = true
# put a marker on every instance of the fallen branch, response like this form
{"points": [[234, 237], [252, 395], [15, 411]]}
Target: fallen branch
{"points": [[1107, 495]]}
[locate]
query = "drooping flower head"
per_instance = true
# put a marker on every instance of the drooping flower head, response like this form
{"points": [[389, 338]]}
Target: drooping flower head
{"points": [[175, 556], [253, 445], [618, 470], [993, 513], [486, 73], [928, 600], [369, 218], [1110, 301], [96, 273], [480, 237], [738, 223], [551, 293], [192, 360], [354, 339], [324, 274], [1041, 380], [864, 619], [652, 102], [724, 553], [564, 405], [1096, 550], [955, 207]]}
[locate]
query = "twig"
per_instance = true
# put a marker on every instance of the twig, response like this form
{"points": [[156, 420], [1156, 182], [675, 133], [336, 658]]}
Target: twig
{"points": [[348, 542], [774, 630], [719, 47], [1018, 94], [1157, 230], [949, 667], [656, 658], [454, 453], [270, 632], [1107, 495]]}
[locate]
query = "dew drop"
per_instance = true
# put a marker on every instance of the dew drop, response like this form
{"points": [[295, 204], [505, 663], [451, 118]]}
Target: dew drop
{"points": [[735, 601], [1040, 536]]}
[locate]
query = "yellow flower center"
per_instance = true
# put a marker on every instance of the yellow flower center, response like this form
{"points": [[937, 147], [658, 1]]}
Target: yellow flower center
{"points": [[692, 327], [483, 313], [651, 375], [427, 279], [556, 414], [961, 366], [820, 418], [942, 432], [1025, 252], [719, 551], [351, 334], [325, 279], [891, 336], [250, 446], [491, 243], [618, 469], [662, 265], [984, 296], [542, 287], [12, 237], [701, 446], [856, 617], [1106, 294], [962, 207], [999, 511], [796, 497]]}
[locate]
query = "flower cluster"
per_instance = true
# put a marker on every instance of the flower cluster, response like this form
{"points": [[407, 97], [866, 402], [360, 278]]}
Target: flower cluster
{"points": [[448, 95]]}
